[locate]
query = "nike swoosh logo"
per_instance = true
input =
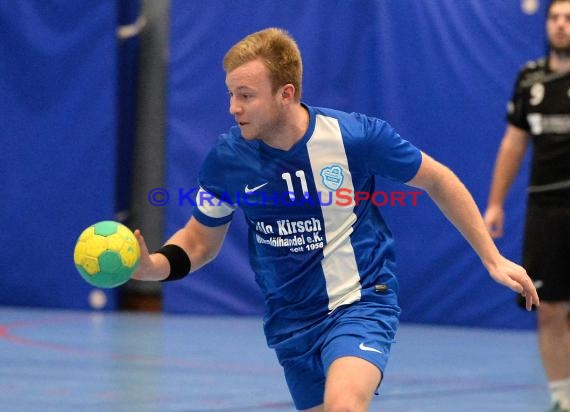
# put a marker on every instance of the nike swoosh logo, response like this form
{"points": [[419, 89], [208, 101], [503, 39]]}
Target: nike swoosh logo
{"points": [[363, 347], [249, 190]]}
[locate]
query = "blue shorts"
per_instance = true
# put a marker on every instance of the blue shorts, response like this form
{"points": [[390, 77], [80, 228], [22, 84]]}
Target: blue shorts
{"points": [[364, 329]]}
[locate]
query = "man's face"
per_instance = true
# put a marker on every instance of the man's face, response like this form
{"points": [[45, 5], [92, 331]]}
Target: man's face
{"points": [[558, 27], [256, 109]]}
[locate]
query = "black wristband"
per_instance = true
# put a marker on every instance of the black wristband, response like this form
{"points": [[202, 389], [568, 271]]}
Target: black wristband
{"points": [[178, 259]]}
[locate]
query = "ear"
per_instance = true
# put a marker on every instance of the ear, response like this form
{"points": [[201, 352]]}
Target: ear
{"points": [[287, 92]]}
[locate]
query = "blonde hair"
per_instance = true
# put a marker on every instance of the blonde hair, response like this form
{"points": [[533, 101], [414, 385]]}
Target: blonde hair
{"points": [[552, 3], [278, 51]]}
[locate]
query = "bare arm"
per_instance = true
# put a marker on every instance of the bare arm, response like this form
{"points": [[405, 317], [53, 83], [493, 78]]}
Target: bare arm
{"points": [[457, 204], [509, 158], [200, 242]]}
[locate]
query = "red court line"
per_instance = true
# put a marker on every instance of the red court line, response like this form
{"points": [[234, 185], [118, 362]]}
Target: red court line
{"points": [[7, 335]]}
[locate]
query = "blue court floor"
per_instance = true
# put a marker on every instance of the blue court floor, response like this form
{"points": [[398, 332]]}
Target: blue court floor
{"points": [[117, 362]]}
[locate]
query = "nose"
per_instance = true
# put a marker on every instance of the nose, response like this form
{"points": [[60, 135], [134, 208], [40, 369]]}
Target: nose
{"points": [[234, 108]]}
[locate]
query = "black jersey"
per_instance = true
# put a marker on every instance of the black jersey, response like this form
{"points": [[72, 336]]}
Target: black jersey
{"points": [[541, 106]]}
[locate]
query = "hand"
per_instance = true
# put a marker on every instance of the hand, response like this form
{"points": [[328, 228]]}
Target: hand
{"points": [[151, 266], [494, 220], [515, 277]]}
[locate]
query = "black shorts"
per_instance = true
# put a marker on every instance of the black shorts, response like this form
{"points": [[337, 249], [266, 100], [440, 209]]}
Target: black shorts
{"points": [[546, 251]]}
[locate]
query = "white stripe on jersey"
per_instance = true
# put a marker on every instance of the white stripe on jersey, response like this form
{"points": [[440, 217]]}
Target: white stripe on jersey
{"points": [[326, 148], [212, 206]]}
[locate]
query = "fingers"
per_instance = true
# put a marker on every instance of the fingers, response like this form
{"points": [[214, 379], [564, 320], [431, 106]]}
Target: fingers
{"points": [[144, 259], [530, 294], [519, 281], [495, 228], [496, 232], [494, 222], [532, 299], [142, 243], [529, 302]]}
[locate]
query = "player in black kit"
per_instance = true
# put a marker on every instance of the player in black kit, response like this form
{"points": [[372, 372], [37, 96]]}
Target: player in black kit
{"points": [[540, 112]]}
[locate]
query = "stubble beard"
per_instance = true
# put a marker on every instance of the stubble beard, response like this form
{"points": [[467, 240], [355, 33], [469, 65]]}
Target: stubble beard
{"points": [[561, 52]]}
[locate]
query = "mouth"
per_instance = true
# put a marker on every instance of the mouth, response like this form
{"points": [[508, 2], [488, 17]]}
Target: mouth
{"points": [[560, 36]]}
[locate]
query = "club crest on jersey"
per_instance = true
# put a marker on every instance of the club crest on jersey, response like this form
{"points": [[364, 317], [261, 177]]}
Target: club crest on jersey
{"points": [[332, 177]]}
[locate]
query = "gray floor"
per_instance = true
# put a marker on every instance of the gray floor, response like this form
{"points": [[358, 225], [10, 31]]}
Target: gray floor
{"points": [[89, 361]]}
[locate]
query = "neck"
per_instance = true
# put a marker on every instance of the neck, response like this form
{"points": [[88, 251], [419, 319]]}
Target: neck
{"points": [[559, 61], [291, 129]]}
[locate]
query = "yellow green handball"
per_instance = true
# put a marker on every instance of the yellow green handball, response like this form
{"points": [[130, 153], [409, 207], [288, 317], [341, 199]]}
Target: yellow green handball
{"points": [[106, 254]]}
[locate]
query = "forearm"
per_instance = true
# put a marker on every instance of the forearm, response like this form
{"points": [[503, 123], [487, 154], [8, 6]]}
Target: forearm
{"points": [[457, 204], [507, 165], [198, 243], [156, 266], [505, 171], [198, 252]]}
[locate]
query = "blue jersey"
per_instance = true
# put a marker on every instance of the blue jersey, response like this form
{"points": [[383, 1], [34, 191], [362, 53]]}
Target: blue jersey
{"points": [[311, 246]]}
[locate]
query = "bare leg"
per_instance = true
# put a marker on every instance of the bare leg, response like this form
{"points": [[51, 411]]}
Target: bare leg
{"points": [[554, 339], [350, 385]]}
